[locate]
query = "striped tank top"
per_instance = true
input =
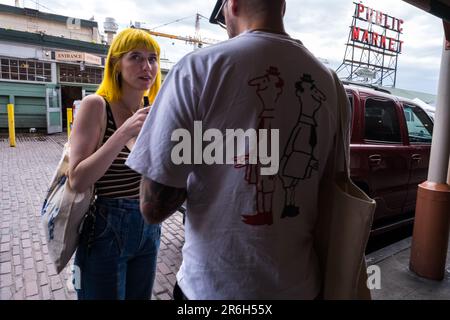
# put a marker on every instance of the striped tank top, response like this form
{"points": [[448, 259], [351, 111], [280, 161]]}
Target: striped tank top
{"points": [[119, 181]]}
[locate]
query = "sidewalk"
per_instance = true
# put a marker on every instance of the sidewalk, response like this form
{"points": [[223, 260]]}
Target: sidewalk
{"points": [[26, 271], [399, 283]]}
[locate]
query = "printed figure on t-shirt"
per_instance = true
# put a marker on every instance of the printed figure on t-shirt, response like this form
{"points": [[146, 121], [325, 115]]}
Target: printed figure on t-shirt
{"points": [[269, 88], [298, 161]]}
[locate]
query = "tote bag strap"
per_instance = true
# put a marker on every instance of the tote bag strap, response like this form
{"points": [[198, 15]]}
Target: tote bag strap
{"points": [[343, 132], [103, 125]]}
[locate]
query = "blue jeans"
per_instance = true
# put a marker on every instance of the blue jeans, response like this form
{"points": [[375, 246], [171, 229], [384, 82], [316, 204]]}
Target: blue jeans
{"points": [[116, 258]]}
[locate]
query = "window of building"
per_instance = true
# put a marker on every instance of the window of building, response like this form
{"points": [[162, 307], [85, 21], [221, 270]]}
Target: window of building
{"points": [[75, 74], [25, 70], [381, 121]]}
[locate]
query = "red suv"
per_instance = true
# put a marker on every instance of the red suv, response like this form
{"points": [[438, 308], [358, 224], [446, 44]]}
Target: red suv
{"points": [[390, 152]]}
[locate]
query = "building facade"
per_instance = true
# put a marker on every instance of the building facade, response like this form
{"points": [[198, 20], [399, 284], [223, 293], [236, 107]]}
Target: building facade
{"points": [[47, 62]]}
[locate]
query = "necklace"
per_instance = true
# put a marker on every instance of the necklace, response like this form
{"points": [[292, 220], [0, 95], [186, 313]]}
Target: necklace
{"points": [[130, 112]]}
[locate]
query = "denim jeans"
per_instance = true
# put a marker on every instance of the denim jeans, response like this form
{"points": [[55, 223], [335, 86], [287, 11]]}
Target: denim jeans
{"points": [[117, 254]]}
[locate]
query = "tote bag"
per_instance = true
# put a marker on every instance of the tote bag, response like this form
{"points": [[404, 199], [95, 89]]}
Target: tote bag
{"points": [[64, 209], [344, 223]]}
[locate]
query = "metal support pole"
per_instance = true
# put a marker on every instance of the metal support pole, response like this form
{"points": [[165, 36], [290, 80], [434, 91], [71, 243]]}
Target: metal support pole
{"points": [[11, 126], [448, 176], [440, 150], [432, 220], [69, 121]]}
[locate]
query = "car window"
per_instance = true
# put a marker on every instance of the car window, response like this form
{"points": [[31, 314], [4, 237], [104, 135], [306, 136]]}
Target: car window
{"points": [[420, 126], [381, 121]]}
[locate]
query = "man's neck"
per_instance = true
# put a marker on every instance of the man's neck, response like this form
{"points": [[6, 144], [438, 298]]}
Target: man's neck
{"points": [[269, 31], [266, 26]]}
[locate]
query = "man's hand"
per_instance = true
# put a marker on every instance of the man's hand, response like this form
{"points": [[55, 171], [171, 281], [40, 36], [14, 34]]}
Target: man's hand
{"points": [[158, 201]]}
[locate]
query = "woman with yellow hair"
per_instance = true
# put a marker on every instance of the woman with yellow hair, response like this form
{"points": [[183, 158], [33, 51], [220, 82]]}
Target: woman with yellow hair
{"points": [[116, 257]]}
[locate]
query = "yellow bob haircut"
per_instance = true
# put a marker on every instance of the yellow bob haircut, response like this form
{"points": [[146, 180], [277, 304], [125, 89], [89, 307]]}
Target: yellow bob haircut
{"points": [[126, 41]]}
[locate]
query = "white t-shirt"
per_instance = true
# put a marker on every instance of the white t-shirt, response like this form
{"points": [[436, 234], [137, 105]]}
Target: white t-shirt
{"points": [[247, 236]]}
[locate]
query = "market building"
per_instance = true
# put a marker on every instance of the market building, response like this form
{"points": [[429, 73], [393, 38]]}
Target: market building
{"points": [[48, 62]]}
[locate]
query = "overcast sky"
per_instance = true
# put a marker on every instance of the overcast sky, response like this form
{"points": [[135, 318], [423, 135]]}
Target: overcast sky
{"points": [[322, 25]]}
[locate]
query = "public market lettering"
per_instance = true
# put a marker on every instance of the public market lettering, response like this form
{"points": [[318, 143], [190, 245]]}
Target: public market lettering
{"points": [[375, 39]]}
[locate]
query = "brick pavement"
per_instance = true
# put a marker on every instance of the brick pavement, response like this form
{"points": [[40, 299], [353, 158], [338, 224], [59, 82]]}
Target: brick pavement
{"points": [[26, 272]]}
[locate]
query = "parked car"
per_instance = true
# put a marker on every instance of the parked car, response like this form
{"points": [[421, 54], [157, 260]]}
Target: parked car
{"points": [[390, 151]]}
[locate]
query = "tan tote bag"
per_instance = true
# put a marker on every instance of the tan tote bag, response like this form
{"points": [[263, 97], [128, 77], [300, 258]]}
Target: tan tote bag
{"points": [[64, 209], [344, 222]]}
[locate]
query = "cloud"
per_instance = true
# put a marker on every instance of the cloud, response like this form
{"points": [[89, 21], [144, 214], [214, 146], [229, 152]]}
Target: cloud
{"points": [[323, 26]]}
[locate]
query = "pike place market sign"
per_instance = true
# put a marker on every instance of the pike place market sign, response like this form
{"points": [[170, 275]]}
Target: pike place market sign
{"points": [[377, 29]]}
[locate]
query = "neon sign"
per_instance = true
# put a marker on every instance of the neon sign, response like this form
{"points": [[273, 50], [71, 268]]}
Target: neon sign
{"points": [[377, 39]]}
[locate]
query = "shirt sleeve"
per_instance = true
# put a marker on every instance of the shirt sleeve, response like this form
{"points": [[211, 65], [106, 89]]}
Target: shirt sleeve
{"points": [[173, 109]]}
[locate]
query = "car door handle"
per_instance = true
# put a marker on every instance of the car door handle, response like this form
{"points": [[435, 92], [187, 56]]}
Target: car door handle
{"points": [[375, 159], [416, 157]]}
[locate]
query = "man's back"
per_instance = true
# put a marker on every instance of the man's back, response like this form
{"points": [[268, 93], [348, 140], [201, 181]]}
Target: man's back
{"points": [[249, 224]]}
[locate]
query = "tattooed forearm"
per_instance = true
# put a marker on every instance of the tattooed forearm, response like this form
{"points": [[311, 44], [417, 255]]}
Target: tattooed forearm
{"points": [[158, 202]]}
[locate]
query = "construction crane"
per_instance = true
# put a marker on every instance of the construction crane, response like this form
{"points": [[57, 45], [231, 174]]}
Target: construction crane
{"points": [[196, 40]]}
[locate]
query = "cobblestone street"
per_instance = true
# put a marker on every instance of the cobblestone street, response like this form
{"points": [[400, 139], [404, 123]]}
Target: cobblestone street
{"points": [[26, 271]]}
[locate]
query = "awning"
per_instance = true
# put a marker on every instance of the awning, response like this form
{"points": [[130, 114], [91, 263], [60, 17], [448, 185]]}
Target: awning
{"points": [[439, 8]]}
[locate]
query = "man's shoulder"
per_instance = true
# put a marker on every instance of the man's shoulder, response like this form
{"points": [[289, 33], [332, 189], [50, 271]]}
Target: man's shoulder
{"points": [[209, 51], [235, 48], [203, 58]]}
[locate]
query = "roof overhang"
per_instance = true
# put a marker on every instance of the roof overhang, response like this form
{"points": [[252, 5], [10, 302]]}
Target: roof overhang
{"points": [[45, 16], [439, 8]]}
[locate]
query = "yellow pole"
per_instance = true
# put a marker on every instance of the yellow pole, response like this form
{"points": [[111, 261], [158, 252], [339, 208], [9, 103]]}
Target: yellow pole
{"points": [[69, 121], [11, 125]]}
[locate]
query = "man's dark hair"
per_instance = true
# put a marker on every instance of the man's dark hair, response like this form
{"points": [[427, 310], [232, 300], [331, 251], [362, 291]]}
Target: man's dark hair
{"points": [[258, 6]]}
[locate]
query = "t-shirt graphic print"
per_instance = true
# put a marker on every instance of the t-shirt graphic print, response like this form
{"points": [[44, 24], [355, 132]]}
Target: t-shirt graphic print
{"points": [[298, 160]]}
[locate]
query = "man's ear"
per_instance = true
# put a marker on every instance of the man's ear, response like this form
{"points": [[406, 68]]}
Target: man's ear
{"points": [[234, 6], [284, 8]]}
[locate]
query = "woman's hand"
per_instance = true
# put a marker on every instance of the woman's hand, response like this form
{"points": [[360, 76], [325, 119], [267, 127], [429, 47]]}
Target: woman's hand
{"points": [[133, 125], [87, 165]]}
